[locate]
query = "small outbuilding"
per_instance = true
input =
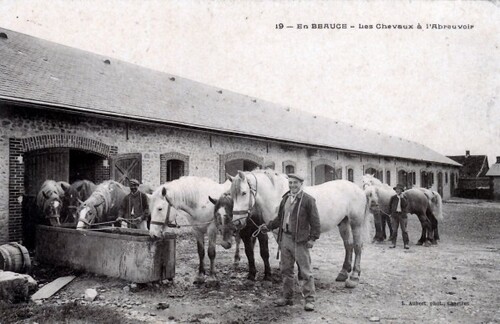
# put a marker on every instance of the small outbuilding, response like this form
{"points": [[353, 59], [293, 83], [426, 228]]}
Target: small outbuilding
{"points": [[494, 174]]}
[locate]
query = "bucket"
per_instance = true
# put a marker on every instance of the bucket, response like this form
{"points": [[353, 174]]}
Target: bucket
{"points": [[14, 257]]}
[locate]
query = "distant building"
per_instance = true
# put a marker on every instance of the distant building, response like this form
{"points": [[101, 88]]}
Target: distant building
{"points": [[494, 174], [472, 179]]}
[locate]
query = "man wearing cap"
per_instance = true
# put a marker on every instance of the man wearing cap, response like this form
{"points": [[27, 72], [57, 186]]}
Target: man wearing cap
{"points": [[299, 227], [135, 207], [398, 204]]}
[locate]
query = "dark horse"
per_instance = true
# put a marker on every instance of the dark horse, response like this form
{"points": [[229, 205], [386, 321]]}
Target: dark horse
{"points": [[424, 203], [223, 214], [427, 205], [49, 201], [77, 193]]}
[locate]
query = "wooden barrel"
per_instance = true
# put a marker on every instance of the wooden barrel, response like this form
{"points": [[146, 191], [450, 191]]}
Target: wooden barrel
{"points": [[14, 257]]}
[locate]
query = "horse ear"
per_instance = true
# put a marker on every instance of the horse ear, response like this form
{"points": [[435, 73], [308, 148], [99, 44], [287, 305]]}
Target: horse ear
{"points": [[64, 185], [164, 192], [213, 201], [229, 177], [241, 175]]}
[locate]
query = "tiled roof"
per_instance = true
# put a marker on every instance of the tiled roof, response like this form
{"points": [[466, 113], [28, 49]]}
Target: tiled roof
{"points": [[473, 166], [40, 71], [494, 170]]}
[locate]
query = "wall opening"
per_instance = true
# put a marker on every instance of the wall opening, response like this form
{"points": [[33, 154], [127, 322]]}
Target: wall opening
{"points": [[175, 169], [323, 173], [57, 157]]}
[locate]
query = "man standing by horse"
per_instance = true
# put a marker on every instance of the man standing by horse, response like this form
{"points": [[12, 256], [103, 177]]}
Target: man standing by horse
{"points": [[135, 210], [299, 226], [398, 205]]}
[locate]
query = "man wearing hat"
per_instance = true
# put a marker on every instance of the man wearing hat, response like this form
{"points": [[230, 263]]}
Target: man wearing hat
{"points": [[398, 204], [135, 207], [299, 227]]}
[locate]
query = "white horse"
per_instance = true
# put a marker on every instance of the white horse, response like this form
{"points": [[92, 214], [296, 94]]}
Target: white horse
{"points": [[379, 195], [424, 203], [189, 195], [340, 203]]}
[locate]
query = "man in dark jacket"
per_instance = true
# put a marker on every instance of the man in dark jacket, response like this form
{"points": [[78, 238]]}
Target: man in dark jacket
{"points": [[299, 227], [398, 205], [135, 207]]}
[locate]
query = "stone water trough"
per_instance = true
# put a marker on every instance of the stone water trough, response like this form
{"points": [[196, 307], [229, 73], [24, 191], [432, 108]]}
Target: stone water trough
{"points": [[129, 254]]}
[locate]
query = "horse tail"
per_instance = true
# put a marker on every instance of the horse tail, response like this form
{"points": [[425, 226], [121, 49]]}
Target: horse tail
{"points": [[367, 221], [438, 204]]}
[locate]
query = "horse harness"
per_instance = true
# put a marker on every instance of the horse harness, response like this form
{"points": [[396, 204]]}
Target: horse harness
{"points": [[102, 201], [166, 222], [253, 193]]}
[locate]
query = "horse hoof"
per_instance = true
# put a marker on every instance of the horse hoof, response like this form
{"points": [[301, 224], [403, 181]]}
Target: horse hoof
{"points": [[341, 277], [267, 277], [251, 277], [352, 282], [212, 283], [434, 242], [199, 280], [419, 243], [427, 244]]}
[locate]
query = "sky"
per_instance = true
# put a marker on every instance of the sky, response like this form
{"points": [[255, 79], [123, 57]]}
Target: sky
{"points": [[438, 87]]}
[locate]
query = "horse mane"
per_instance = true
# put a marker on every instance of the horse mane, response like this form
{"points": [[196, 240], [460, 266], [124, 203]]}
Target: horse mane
{"points": [[187, 190], [104, 190], [273, 177], [79, 186]]}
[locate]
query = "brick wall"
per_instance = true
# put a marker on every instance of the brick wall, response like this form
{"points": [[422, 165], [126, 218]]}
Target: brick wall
{"points": [[204, 154]]}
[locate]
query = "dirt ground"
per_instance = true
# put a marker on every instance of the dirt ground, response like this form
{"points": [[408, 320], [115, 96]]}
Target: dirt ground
{"points": [[456, 281]]}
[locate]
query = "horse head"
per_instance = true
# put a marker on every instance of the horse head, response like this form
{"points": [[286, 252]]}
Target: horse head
{"points": [[370, 180], [223, 216], [163, 214], [49, 202], [92, 209], [373, 197], [52, 210], [243, 192], [74, 197]]}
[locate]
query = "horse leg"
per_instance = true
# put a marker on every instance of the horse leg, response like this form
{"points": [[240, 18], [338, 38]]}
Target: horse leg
{"points": [[200, 242], [249, 244], [212, 236], [422, 220], [377, 216], [346, 234], [436, 232], [433, 226], [357, 236], [264, 254], [237, 257], [389, 224], [426, 224]]}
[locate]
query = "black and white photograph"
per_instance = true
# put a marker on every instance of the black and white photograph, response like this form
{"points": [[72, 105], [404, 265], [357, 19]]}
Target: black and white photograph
{"points": [[198, 161]]}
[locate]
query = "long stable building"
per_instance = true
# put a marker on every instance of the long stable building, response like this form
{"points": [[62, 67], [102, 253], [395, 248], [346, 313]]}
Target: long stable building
{"points": [[67, 114]]}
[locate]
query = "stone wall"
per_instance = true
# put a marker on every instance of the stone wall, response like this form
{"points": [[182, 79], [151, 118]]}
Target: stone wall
{"points": [[202, 152]]}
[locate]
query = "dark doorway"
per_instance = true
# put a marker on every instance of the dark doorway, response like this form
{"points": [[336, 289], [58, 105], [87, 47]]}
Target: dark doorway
{"points": [[232, 167], [83, 166]]}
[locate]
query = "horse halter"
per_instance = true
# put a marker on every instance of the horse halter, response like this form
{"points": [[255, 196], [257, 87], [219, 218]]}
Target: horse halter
{"points": [[166, 222], [253, 193]]}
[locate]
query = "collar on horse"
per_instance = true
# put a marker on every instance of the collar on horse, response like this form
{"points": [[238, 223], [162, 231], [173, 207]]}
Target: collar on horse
{"points": [[253, 193], [166, 222]]}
